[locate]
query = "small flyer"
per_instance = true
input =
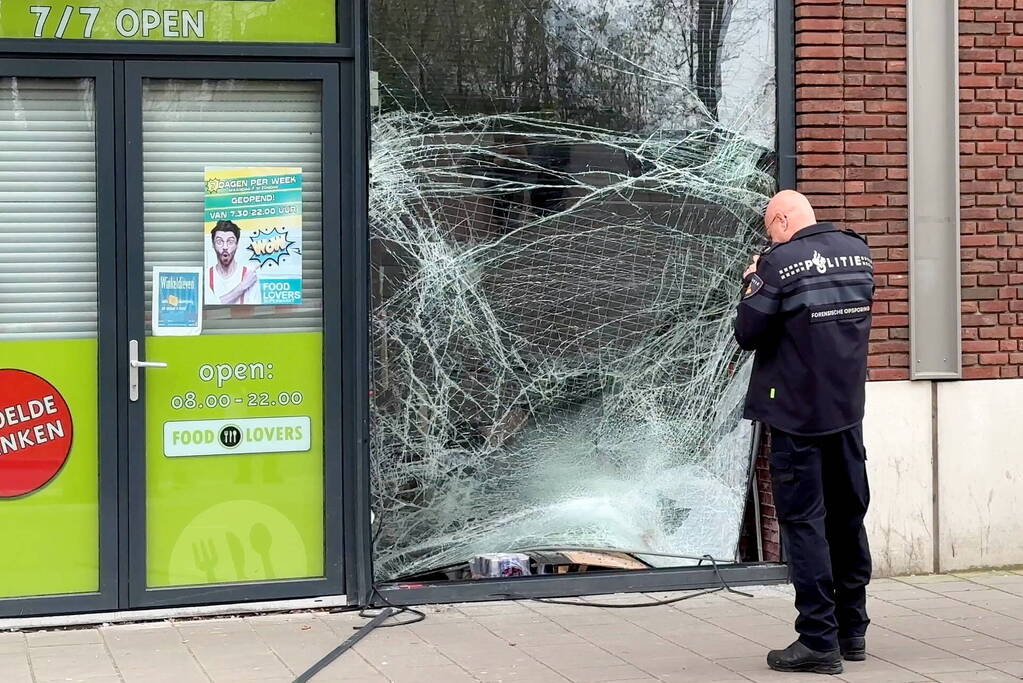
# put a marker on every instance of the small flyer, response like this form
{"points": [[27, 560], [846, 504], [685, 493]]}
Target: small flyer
{"points": [[253, 236], [177, 302]]}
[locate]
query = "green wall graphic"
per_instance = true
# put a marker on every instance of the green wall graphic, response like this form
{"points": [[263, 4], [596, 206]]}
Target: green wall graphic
{"points": [[271, 21], [220, 507], [51, 536]]}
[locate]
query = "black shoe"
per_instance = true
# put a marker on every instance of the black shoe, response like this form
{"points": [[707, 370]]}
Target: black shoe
{"points": [[799, 658], [853, 649]]}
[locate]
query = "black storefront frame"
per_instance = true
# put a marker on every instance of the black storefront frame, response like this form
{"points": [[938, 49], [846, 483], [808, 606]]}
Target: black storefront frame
{"points": [[328, 75], [102, 76], [113, 64], [699, 577], [56, 58]]}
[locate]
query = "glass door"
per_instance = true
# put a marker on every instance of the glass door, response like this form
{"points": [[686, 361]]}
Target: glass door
{"points": [[233, 229], [58, 336]]}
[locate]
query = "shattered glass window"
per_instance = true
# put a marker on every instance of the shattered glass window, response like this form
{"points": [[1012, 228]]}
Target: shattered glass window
{"points": [[564, 194]]}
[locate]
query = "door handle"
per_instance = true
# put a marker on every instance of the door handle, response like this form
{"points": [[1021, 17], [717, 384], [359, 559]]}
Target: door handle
{"points": [[144, 364], [133, 369]]}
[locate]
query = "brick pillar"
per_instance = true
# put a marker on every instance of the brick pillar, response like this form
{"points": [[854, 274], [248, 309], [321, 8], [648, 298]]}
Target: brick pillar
{"points": [[768, 516], [851, 146], [991, 163]]}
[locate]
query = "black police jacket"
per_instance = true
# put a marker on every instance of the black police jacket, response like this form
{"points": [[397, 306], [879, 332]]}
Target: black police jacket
{"points": [[806, 314]]}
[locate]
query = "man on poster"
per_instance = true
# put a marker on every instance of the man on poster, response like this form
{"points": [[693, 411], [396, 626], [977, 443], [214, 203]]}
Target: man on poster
{"points": [[228, 282]]}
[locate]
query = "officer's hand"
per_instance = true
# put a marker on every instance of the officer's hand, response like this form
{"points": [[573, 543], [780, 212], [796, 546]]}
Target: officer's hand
{"points": [[752, 268]]}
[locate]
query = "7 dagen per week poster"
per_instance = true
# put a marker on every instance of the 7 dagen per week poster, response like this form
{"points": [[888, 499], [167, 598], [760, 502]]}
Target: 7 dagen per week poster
{"points": [[253, 236]]}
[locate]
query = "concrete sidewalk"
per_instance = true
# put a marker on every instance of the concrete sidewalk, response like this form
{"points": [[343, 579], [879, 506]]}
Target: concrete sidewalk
{"points": [[944, 628]]}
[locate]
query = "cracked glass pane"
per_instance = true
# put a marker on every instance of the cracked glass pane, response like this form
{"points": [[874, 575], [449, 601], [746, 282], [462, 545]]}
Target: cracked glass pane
{"points": [[563, 197]]}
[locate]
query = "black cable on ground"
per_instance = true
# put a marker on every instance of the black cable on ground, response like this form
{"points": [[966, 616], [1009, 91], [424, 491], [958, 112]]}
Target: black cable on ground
{"points": [[395, 610], [360, 633], [379, 615]]}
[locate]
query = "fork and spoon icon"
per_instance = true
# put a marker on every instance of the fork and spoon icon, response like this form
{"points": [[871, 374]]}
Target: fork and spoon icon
{"points": [[207, 559]]}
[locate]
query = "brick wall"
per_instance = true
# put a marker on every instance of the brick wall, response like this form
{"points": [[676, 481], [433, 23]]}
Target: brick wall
{"points": [[991, 162], [851, 146], [768, 515]]}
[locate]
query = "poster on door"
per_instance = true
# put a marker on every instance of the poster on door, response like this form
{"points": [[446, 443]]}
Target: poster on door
{"points": [[177, 302], [253, 236]]}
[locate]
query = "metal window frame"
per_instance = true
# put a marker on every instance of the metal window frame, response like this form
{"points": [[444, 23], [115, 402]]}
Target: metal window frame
{"points": [[406, 593], [328, 75], [345, 315], [108, 303], [355, 552]]}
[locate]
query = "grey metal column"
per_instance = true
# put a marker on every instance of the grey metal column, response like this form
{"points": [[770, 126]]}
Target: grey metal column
{"points": [[934, 266]]}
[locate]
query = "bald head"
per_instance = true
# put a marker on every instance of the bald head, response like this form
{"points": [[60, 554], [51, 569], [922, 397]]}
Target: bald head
{"points": [[787, 213]]}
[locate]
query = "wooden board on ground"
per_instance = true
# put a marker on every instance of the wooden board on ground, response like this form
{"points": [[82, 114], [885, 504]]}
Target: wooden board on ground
{"points": [[571, 561]]}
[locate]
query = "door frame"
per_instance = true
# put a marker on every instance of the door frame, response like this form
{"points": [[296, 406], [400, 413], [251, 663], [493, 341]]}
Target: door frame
{"points": [[109, 302], [329, 75]]}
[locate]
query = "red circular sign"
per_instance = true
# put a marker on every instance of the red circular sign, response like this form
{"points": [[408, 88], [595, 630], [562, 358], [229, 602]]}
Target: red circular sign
{"points": [[35, 432]]}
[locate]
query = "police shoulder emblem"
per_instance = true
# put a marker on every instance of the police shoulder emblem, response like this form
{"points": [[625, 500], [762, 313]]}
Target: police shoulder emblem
{"points": [[754, 285]]}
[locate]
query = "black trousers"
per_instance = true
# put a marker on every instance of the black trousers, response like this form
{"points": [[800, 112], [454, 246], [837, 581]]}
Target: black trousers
{"points": [[821, 496]]}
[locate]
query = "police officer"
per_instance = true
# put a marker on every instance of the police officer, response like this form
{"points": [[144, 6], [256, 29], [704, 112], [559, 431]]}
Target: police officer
{"points": [[805, 311]]}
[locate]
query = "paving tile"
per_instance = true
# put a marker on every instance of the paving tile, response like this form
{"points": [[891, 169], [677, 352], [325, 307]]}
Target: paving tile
{"points": [[12, 643], [898, 592], [414, 673], [974, 677], [723, 609], [475, 659], [519, 618], [14, 667], [973, 641], [483, 609], [924, 627], [996, 626], [636, 646], [79, 663], [65, 637], [586, 617], [929, 579], [298, 643], [986, 596], [603, 674], [717, 645], [431, 658], [165, 673], [394, 642], [250, 677], [350, 666], [990, 655], [1012, 668], [880, 608], [960, 611], [560, 657], [957, 586], [763, 673], [926, 604], [438, 634], [665, 621], [765, 631], [940, 665], [993, 578], [231, 647], [690, 670], [530, 670], [875, 670], [541, 634]]}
